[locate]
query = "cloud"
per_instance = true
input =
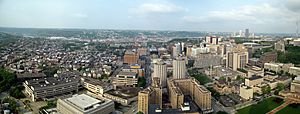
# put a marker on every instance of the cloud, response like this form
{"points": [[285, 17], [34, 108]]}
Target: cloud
{"points": [[79, 15], [293, 5], [254, 14], [158, 8]]}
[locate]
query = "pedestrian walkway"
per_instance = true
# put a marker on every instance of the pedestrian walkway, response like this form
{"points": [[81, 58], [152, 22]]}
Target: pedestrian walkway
{"points": [[286, 103]]}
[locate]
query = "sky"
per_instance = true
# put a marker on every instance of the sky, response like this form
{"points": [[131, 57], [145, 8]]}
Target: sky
{"points": [[268, 16]]}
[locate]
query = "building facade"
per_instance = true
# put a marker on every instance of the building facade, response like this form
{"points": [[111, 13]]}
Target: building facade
{"points": [[178, 88], [179, 68], [126, 79], [39, 89], [85, 104], [160, 70]]}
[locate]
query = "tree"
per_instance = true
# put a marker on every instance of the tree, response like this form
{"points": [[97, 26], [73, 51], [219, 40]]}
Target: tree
{"points": [[280, 86], [266, 89], [139, 112], [141, 82], [16, 92]]}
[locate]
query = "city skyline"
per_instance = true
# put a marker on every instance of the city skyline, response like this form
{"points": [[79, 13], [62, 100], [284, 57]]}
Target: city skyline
{"points": [[266, 16]]}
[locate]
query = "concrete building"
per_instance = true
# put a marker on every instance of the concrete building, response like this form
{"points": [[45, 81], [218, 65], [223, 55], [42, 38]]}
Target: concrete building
{"points": [[126, 79], [212, 40], [280, 46], [160, 71], [142, 51], [246, 92], [179, 88], [294, 71], [207, 60], [176, 50], [196, 51], [123, 95], [131, 57], [95, 85], [295, 85], [267, 58], [39, 89], [247, 33], [134, 68], [278, 67], [85, 104], [236, 60], [179, 68], [254, 80], [149, 96]]}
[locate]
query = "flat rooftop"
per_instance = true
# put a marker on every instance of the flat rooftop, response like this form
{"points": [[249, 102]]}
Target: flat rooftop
{"points": [[95, 81], [254, 77], [127, 73], [83, 101]]}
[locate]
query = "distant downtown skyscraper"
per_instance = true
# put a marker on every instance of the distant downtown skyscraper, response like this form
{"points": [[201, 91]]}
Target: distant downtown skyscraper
{"points": [[247, 33], [160, 70], [179, 68]]}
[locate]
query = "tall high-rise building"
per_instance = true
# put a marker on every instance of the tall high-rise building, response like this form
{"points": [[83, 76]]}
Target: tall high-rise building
{"points": [[247, 33], [150, 95], [179, 68], [160, 70], [179, 88], [176, 50], [237, 57]]}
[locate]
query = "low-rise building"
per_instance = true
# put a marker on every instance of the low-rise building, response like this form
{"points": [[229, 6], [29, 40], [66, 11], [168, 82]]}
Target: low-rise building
{"points": [[50, 86], [126, 79], [95, 85], [254, 80], [134, 68], [85, 104], [295, 85], [124, 95], [246, 92], [294, 70]]}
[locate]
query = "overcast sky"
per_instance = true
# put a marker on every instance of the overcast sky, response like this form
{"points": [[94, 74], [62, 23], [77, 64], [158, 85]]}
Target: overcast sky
{"points": [[196, 15]]}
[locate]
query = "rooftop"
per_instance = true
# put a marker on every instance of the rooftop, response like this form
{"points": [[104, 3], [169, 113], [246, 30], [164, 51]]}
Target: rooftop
{"points": [[83, 101], [41, 83], [94, 81], [127, 73], [254, 77]]}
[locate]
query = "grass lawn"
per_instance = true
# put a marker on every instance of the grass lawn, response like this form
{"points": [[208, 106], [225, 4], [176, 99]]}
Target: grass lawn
{"points": [[291, 109], [202, 78], [262, 107]]}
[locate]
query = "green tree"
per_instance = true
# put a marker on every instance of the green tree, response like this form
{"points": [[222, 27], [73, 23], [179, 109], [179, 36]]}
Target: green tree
{"points": [[280, 86], [139, 112], [141, 82], [266, 89], [16, 92]]}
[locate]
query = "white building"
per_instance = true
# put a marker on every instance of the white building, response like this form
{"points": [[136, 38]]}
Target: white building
{"points": [[179, 68], [160, 70], [85, 104]]}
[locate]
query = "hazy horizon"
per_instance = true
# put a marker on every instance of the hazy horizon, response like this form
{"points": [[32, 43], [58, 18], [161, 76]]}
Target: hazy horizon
{"points": [[260, 16]]}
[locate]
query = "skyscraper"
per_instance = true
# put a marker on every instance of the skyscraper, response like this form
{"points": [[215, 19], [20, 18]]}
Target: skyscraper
{"points": [[247, 33], [160, 70], [236, 60], [179, 68], [176, 50]]}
